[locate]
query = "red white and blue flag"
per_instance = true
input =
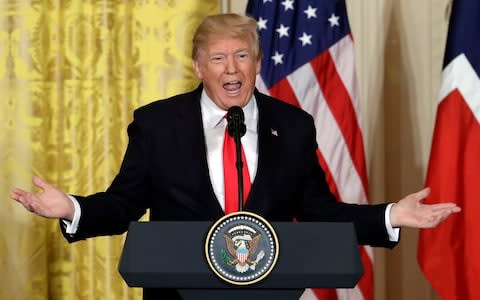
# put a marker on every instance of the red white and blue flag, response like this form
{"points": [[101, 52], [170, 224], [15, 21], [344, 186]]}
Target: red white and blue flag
{"points": [[308, 61], [449, 255]]}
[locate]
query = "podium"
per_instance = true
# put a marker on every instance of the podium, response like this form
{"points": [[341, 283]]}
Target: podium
{"points": [[171, 255]]}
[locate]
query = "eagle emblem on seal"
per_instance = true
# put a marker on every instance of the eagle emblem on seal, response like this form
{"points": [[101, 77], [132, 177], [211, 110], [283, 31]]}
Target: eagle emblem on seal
{"points": [[242, 247]]}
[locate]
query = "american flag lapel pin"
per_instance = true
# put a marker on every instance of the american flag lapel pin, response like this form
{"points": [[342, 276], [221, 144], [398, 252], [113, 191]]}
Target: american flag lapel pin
{"points": [[274, 132]]}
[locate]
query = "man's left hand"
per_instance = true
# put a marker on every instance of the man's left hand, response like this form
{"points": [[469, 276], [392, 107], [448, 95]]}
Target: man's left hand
{"points": [[411, 212]]}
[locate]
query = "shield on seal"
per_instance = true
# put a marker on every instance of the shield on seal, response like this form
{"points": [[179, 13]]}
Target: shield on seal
{"points": [[241, 248], [242, 254]]}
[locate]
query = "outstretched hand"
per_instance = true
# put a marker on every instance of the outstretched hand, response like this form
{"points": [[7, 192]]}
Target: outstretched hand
{"points": [[411, 212], [50, 203]]}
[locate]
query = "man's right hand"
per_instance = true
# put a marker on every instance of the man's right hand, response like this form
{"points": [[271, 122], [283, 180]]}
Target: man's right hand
{"points": [[50, 203]]}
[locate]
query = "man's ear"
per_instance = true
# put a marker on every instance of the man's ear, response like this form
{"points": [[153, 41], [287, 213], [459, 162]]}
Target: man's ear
{"points": [[197, 68]]}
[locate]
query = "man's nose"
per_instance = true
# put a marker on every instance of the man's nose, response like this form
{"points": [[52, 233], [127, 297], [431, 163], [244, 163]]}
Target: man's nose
{"points": [[231, 67]]}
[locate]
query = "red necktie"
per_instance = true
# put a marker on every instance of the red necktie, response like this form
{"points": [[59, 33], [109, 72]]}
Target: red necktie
{"points": [[230, 175]]}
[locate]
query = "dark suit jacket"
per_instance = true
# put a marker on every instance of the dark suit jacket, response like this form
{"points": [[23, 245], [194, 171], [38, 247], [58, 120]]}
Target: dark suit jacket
{"points": [[165, 169]]}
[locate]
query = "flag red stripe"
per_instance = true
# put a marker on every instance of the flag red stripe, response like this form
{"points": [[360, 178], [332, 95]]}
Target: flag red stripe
{"points": [[448, 254], [325, 294], [336, 95], [366, 281], [328, 176], [283, 90]]}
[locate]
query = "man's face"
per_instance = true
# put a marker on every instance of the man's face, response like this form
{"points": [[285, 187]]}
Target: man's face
{"points": [[228, 69]]}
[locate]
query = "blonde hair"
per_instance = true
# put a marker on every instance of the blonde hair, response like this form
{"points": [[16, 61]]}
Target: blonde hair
{"points": [[226, 25]]}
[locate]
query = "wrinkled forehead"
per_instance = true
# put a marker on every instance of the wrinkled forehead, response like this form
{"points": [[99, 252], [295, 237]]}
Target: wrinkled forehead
{"points": [[226, 44]]}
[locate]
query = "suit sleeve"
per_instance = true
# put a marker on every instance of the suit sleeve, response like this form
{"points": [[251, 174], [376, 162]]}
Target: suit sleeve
{"points": [[111, 212]]}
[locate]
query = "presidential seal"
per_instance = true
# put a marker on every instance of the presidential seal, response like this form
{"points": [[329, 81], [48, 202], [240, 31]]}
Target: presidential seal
{"points": [[241, 248]]}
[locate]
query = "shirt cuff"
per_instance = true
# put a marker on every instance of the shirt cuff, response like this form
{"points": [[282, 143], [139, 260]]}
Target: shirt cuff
{"points": [[72, 227], [393, 233]]}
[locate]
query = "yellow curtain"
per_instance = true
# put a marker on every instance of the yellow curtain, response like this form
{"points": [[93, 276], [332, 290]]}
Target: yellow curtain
{"points": [[71, 72]]}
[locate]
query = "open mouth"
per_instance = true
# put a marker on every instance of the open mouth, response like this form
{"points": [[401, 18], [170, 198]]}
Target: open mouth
{"points": [[232, 87]]}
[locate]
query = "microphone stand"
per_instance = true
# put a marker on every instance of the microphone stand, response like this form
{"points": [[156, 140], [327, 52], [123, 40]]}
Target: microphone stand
{"points": [[239, 165], [237, 129]]}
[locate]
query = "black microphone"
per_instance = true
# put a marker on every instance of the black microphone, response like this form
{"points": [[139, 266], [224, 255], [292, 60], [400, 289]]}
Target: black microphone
{"points": [[236, 119], [236, 129]]}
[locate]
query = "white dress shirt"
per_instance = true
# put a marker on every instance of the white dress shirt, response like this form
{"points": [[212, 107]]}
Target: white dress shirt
{"points": [[214, 124]]}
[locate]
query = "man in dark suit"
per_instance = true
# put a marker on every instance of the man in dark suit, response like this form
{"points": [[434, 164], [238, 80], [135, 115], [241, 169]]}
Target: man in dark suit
{"points": [[173, 162]]}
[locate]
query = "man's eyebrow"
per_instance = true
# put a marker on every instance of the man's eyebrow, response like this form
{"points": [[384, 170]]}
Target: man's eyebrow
{"points": [[216, 53], [243, 50], [223, 53]]}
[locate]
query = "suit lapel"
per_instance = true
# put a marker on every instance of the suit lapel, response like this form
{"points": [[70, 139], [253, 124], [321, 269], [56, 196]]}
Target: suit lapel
{"points": [[266, 156], [190, 141]]}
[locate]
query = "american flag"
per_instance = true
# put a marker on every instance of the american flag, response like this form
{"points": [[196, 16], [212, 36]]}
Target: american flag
{"points": [[308, 61], [449, 254]]}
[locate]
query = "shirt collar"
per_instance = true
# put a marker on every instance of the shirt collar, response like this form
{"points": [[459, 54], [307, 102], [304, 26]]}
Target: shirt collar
{"points": [[213, 116]]}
